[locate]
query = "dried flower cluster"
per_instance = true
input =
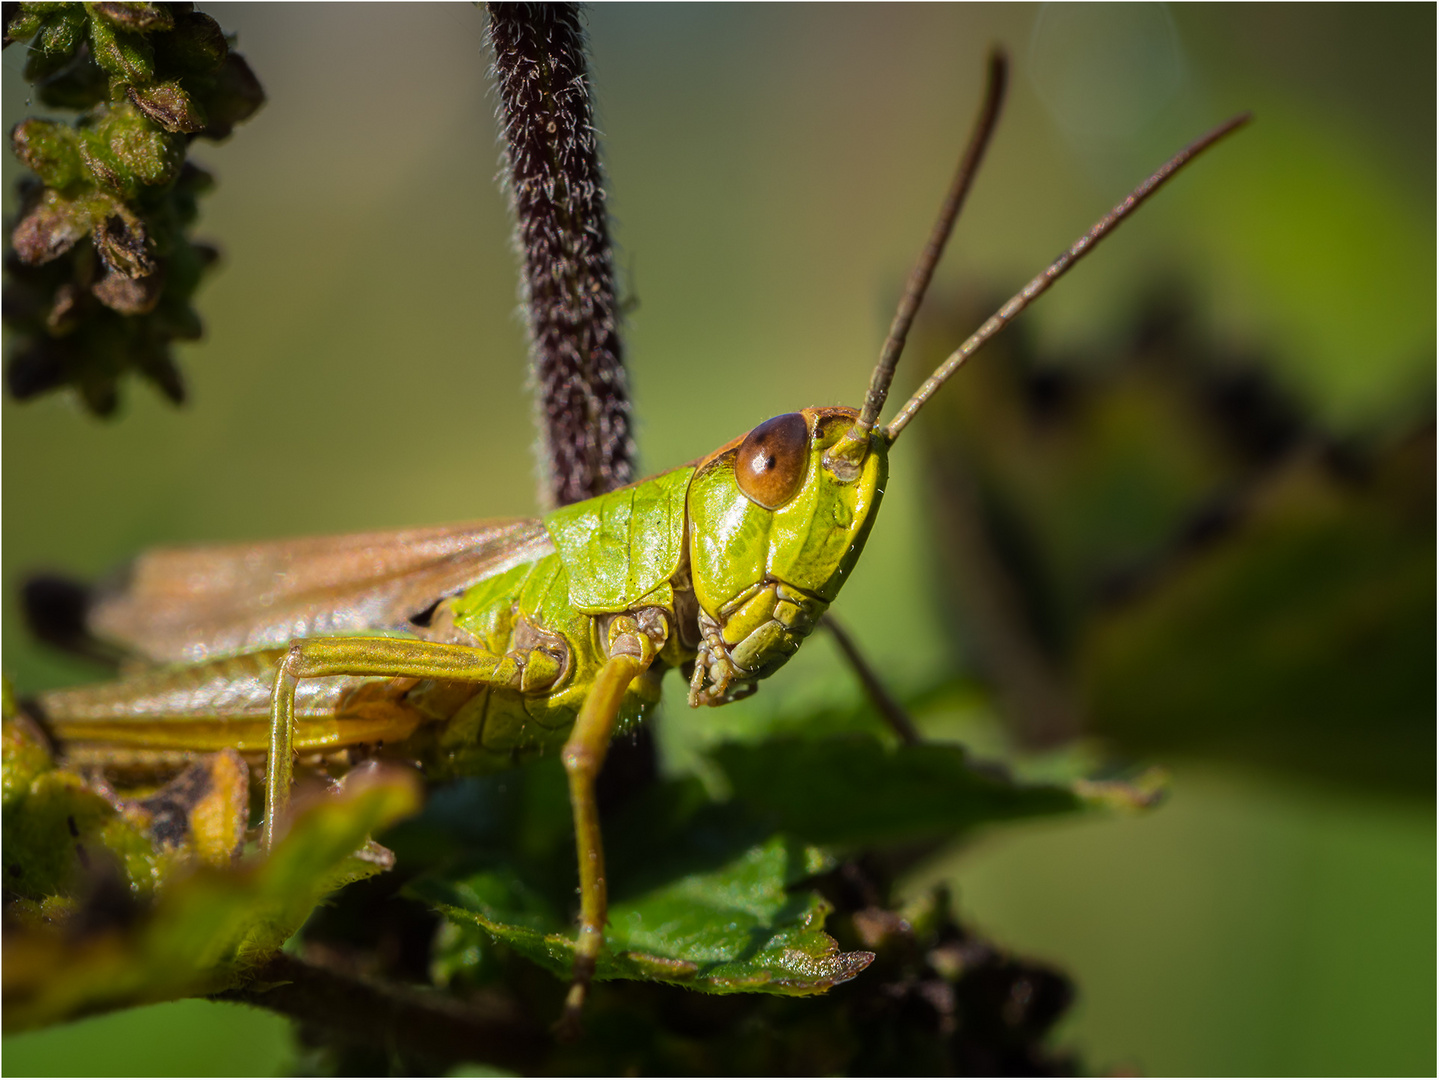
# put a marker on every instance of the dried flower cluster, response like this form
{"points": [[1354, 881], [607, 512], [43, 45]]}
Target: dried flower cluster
{"points": [[145, 79]]}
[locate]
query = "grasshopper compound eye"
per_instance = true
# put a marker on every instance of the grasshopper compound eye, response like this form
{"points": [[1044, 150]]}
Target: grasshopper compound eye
{"points": [[771, 463]]}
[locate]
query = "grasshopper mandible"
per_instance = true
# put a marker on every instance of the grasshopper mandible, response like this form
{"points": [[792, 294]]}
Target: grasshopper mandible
{"points": [[472, 647]]}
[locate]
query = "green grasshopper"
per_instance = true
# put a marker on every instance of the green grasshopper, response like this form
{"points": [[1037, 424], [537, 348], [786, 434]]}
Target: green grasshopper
{"points": [[473, 647]]}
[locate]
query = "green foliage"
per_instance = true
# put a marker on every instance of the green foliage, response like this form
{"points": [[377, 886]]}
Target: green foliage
{"points": [[106, 907], [735, 928], [934, 999], [146, 79], [712, 896], [731, 898], [708, 895]]}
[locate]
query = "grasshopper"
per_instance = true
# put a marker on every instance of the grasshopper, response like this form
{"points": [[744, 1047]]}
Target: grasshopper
{"points": [[470, 648]]}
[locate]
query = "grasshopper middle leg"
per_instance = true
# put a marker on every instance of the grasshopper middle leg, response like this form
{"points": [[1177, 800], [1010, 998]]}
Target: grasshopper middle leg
{"points": [[633, 645], [583, 756]]}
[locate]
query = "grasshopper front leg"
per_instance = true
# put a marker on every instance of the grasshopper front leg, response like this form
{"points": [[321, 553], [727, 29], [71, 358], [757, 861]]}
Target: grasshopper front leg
{"points": [[312, 658]]}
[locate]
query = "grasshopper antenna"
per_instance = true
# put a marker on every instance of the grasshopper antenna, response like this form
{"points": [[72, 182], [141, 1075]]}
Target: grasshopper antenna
{"points": [[923, 271], [1081, 247]]}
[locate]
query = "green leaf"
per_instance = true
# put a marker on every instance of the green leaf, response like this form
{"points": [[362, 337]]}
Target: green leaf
{"points": [[125, 55], [126, 151], [853, 790], [50, 149], [706, 895], [733, 928]]}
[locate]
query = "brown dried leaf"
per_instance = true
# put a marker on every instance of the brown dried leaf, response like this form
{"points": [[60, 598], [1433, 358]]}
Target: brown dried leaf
{"points": [[121, 242], [127, 295], [49, 229], [135, 16], [169, 106]]}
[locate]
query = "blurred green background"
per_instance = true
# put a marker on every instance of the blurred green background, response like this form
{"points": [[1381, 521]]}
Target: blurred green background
{"points": [[772, 173]]}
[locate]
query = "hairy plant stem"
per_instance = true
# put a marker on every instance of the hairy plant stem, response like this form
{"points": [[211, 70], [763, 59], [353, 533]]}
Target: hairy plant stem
{"points": [[552, 171]]}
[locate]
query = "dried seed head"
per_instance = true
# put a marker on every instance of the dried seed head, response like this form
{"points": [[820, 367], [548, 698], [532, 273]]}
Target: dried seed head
{"points": [[146, 78]]}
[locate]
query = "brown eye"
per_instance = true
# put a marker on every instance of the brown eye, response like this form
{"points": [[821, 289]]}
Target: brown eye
{"points": [[770, 466]]}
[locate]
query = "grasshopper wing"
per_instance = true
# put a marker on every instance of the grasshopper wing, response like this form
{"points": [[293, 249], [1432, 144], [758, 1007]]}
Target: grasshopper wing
{"points": [[186, 604]]}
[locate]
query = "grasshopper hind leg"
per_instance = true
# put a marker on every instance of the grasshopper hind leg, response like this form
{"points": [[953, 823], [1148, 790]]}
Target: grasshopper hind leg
{"points": [[634, 642]]}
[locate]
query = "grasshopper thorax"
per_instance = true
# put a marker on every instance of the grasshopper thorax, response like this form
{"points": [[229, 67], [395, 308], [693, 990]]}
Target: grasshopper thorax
{"points": [[774, 530]]}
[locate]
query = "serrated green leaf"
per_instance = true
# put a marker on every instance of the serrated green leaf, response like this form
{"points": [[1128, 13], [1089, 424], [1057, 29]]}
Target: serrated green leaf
{"points": [[704, 894], [734, 928]]}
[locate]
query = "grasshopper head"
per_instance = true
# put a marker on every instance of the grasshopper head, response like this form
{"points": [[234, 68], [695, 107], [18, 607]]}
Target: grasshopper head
{"points": [[776, 522], [778, 517]]}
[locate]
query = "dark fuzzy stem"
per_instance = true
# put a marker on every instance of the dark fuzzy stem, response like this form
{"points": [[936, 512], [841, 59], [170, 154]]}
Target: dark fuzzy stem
{"points": [[552, 167]]}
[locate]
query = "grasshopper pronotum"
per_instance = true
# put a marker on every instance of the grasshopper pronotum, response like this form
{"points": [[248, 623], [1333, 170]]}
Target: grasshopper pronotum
{"points": [[469, 648]]}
